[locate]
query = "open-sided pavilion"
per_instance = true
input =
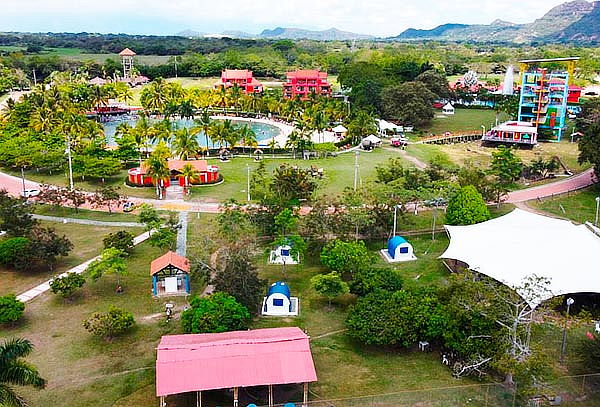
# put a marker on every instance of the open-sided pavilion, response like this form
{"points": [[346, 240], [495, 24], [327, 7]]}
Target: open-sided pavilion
{"points": [[233, 360]]}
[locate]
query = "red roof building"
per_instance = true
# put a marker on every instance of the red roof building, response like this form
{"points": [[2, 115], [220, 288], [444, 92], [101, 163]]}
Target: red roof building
{"points": [[207, 174], [260, 357], [303, 83], [239, 77], [170, 275]]}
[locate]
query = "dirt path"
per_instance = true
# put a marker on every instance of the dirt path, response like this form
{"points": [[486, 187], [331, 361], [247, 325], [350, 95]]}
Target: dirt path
{"points": [[412, 159]]}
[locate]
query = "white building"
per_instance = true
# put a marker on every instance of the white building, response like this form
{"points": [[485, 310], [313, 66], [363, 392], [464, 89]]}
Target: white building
{"points": [[448, 109], [398, 250], [283, 255], [279, 302]]}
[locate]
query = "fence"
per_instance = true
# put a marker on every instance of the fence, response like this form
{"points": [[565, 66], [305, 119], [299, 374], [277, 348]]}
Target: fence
{"points": [[566, 391]]}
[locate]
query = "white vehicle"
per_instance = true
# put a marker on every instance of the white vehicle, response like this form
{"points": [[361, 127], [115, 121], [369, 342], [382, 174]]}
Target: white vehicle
{"points": [[30, 193]]}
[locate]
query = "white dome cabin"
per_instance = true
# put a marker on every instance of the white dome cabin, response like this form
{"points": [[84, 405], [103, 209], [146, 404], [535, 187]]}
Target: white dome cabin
{"points": [[398, 250], [283, 255], [279, 301]]}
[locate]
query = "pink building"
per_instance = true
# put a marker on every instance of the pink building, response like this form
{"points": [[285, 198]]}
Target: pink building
{"points": [[239, 77], [303, 83]]}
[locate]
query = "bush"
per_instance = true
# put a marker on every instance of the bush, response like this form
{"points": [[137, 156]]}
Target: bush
{"points": [[329, 285], [373, 279], [467, 207], [109, 324], [65, 286], [346, 257], [121, 240], [589, 350], [13, 250], [218, 312], [11, 309]]}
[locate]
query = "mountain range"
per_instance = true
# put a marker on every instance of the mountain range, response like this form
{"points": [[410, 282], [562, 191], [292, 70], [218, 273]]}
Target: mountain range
{"points": [[331, 34], [576, 20]]}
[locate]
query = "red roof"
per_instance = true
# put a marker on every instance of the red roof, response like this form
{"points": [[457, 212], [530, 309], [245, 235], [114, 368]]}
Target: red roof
{"points": [[236, 74], [187, 363], [307, 74], [177, 165], [169, 259], [127, 53]]}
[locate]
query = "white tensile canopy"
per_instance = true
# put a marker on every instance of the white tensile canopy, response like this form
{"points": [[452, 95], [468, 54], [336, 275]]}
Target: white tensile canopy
{"points": [[339, 129], [385, 125], [515, 246], [373, 139]]}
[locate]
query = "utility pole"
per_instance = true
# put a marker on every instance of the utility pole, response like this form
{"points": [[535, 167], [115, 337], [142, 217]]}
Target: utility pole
{"points": [[23, 179], [563, 348], [34, 78], [175, 62], [395, 219], [433, 227], [356, 154]]}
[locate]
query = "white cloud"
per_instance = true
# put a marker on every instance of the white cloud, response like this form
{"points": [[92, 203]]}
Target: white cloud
{"points": [[379, 17]]}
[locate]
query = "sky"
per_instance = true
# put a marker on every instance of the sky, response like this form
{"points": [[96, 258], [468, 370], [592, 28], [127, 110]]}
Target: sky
{"points": [[164, 17]]}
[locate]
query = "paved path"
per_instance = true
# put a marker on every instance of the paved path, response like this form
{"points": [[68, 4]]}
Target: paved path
{"points": [[87, 221], [585, 179], [42, 288], [182, 234]]}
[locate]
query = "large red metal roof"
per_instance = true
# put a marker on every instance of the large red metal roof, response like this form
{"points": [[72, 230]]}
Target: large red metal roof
{"points": [[198, 362]]}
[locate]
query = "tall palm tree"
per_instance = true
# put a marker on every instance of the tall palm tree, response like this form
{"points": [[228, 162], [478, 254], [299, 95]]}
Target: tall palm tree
{"points": [[230, 134], [189, 173], [185, 143], [186, 109], [158, 170], [203, 124], [98, 96], [154, 97], [15, 371], [247, 136], [319, 122]]}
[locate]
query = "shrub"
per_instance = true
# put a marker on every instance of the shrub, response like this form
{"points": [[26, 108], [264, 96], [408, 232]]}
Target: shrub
{"points": [[121, 240], [65, 286], [467, 207], [109, 324], [13, 250], [372, 279], [346, 257], [218, 312], [11, 309], [329, 285]]}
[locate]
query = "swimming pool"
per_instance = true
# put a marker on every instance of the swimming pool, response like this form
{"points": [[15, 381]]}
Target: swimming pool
{"points": [[263, 131]]}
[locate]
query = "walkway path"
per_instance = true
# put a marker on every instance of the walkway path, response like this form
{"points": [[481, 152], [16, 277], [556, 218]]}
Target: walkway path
{"points": [[410, 158], [182, 234], [87, 221], [42, 288], [574, 183]]}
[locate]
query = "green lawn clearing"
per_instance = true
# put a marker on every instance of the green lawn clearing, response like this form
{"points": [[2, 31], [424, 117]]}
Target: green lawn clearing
{"points": [[579, 206], [463, 121]]}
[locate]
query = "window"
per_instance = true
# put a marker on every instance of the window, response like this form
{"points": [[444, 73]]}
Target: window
{"points": [[278, 302], [404, 250]]}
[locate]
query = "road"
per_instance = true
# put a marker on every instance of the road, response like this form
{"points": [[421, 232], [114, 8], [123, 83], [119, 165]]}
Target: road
{"points": [[14, 186]]}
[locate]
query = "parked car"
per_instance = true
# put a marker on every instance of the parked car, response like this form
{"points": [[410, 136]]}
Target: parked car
{"points": [[128, 206], [436, 202], [30, 193]]}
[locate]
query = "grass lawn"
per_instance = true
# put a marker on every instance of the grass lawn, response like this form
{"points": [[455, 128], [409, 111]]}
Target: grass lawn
{"points": [[87, 243], [579, 206], [339, 173], [463, 121], [64, 212]]}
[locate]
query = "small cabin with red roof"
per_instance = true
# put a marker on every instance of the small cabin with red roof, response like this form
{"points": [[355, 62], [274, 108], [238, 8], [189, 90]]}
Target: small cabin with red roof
{"points": [[239, 77], [207, 174], [304, 82], [170, 275]]}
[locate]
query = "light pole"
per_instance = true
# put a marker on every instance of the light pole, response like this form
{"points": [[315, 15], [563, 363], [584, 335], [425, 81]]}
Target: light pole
{"points": [[563, 349], [71, 187], [597, 207], [482, 130], [23, 179], [248, 181], [356, 154], [433, 226], [395, 218]]}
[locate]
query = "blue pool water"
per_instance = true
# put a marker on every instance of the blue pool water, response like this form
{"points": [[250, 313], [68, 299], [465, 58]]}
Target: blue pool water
{"points": [[263, 131]]}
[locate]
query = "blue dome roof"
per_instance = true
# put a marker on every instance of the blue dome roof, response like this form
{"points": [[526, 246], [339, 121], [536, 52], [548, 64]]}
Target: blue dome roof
{"points": [[393, 243], [279, 288]]}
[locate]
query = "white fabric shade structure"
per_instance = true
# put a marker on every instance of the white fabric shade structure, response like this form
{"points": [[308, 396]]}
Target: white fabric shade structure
{"points": [[385, 125], [339, 129], [515, 246], [372, 139]]}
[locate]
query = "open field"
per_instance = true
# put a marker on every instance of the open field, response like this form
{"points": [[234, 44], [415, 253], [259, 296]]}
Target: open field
{"points": [[87, 243], [578, 206], [463, 121]]}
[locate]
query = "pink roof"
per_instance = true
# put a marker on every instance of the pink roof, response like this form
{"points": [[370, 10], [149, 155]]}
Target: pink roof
{"points": [[307, 74], [127, 53], [259, 357], [236, 74]]}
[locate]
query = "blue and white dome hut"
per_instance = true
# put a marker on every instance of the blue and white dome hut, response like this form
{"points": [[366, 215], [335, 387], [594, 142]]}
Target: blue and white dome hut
{"points": [[279, 301], [398, 250], [284, 255]]}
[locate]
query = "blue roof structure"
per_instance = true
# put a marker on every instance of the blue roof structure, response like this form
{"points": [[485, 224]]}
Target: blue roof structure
{"points": [[393, 243], [279, 288]]}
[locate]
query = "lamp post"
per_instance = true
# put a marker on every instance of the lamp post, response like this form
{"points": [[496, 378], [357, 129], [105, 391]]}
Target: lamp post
{"points": [[597, 207], [395, 218], [248, 181], [71, 187], [356, 154], [434, 218], [482, 130], [563, 349], [23, 180]]}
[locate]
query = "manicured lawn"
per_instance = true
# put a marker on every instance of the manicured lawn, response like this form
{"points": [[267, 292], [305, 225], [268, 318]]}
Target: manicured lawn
{"points": [[64, 212], [87, 243], [339, 173], [463, 121], [579, 206]]}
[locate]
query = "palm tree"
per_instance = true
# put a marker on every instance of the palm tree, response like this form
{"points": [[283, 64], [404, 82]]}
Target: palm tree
{"points": [[293, 141], [319, 122], [15, 371], [185, 143], [230, 134], [189, 173], [247, 136], [158, 170], [186, 109], [273, 146], [99, 96], [154, 97], [203, 124]]}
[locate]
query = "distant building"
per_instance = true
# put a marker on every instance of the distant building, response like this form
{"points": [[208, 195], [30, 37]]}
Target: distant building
{"points": [[207, 174], [127, 61], [303, 83], [239, 77], [513, 132]]}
